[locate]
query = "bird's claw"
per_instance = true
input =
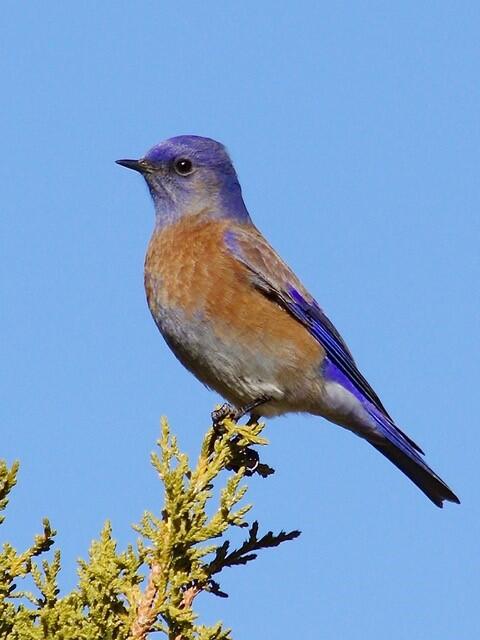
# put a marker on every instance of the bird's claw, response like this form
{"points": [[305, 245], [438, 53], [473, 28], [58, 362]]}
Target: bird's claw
{"points": [[224, 412]]}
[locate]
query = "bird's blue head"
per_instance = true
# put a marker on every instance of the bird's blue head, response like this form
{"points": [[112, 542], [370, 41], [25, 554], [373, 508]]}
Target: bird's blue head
{"points": [[189, 175]]}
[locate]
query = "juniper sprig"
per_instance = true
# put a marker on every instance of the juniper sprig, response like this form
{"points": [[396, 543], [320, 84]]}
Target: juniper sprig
{"points": [[151, 586]]}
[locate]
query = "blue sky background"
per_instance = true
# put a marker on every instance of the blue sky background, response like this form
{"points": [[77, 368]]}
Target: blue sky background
{"points": [[354, 128]]}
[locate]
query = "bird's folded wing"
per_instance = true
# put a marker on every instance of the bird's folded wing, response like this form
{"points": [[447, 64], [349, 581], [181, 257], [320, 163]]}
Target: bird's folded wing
{"points": [[275, 279]]}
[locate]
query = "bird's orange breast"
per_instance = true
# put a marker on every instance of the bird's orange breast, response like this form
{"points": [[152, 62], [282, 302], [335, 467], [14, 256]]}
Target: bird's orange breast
{"points": [[189, 268]]}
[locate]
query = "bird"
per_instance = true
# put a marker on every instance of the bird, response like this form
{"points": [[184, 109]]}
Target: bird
{"points": [[238, 318]]}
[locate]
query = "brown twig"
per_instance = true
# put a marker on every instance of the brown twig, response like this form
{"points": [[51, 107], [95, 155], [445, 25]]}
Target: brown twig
{"points": [[188, 597], [146, 614]]}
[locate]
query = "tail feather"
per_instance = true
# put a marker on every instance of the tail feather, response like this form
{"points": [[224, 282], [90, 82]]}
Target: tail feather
{"points": [[406, 455], [418, 472]]}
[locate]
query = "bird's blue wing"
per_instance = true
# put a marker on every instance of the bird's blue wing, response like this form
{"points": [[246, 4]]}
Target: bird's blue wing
{"points": [[270, 275], [277, 281]]}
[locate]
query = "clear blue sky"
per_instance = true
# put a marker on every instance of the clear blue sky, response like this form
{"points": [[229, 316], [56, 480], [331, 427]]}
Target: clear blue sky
{"points": [[354, 128]]}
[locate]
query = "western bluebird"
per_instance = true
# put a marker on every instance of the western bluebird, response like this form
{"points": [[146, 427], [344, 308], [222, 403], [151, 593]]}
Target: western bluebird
{"points": [[239, 319]]}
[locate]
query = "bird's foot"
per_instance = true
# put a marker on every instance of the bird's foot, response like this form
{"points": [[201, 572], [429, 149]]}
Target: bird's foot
{"points": [[224, 412], [227, 411]]}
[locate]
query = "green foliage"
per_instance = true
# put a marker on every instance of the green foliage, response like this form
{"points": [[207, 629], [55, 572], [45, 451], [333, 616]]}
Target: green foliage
{"points": [[151, 586]]}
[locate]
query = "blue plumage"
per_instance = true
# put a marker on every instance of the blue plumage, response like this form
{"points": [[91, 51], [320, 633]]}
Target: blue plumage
{"points": [[238, 317]]}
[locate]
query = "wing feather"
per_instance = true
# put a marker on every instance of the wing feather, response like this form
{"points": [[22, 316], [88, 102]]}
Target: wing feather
{"points": [[272, 276]]}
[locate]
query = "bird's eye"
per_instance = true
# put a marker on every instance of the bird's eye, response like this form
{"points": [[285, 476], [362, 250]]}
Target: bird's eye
{"points": [[183, 166]]}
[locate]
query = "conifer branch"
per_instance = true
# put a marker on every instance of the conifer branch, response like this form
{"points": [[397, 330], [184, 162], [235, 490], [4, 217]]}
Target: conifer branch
{"points": [[180, 550]]}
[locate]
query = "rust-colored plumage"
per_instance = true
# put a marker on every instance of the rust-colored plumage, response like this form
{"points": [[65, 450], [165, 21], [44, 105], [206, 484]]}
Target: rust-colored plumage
{"points": [[189, 267]]}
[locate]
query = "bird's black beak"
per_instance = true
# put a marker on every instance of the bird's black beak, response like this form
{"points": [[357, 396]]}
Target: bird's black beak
{"points": [[136, 165], [142, 166]]}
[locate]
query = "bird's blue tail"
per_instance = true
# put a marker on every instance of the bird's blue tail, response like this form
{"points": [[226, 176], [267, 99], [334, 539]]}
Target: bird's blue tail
{"points": [[407, 456]]}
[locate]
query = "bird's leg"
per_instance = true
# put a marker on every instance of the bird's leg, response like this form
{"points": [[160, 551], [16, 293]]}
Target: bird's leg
{"points": [[227, 411], [248, 408]]}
